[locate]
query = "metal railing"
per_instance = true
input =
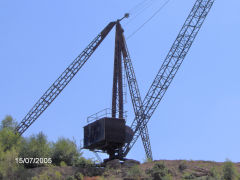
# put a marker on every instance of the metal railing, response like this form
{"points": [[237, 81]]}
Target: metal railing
{"points": [[103, 113]]}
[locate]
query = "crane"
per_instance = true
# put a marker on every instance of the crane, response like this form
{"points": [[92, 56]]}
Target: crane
{"points": [[143, 109]]}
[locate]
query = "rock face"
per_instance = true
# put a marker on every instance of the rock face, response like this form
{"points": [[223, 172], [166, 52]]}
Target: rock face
{"points": [[113, 164], [129, 163]]}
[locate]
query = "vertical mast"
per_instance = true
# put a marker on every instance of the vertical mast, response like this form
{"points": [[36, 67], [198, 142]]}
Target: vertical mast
{"points": [[117, 91]]}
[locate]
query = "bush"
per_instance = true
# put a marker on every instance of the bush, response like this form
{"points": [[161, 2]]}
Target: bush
{"points": [[8, 123], [63, 164], [9, 169], [100, 178], [215, 174], [70, 178], [49, 174], [36, 146], [159, 172], [65, 150], [9, 145], [8, 138], [182, 166], [135, 172], [79, 176], [147, 160], [188, 176], [229, 171], [83, 162], [58, 175]]}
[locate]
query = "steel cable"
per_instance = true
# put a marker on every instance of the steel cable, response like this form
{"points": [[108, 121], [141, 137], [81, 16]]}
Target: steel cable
{"points": [[138, 6], [146, 6], [149, 19]]}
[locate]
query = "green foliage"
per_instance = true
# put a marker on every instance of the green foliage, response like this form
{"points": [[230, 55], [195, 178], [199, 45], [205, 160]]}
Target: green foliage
{"points": [[182, 166], [79, 176], [65, 150], [229, 171], [58, 175], [8, 139], [49, 174], [8, 123], [9, 169], [100, 178], [37, 146], [135, 172], [83, 162], [43, 176], [215, 174], [188, 175], [63, 164], [147, 160], [159, 172], [9, 146], [70, 178]]}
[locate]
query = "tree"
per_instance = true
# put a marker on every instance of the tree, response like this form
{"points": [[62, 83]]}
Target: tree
{"points": [[8, 138], [9, 145], [65, 150], [8, 123], [8, 167], [37, 146], [229, 171]]}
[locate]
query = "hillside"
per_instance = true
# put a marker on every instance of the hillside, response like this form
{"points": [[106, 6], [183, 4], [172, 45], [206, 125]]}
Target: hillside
{"points": [[162, 169]]}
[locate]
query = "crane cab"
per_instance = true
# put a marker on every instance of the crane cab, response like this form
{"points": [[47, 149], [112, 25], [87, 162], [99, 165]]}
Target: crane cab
{"points": [[107, 134]]}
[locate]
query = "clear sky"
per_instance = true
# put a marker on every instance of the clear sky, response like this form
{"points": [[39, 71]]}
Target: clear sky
{"points": [[199, 116]]}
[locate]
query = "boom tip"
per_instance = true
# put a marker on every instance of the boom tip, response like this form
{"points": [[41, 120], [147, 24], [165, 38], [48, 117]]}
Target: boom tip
{"points": [[126, 15]]}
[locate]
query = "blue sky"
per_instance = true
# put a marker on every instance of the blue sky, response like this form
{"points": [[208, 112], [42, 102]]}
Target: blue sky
{"points": [[199, 116]]}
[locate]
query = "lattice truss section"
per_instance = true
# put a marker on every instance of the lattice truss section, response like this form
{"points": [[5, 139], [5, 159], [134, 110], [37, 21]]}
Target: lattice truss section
{"points": [[169, 68], [57, 87]]}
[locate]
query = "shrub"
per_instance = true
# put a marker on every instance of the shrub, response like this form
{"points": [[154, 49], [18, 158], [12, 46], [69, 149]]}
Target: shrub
{"points": [[9, 169], [147, 160], [229, 171], [159, 172], [70, 178], [63, 164], [79, 176], [8, 138], [135, 172], [58, 175], [214, 174], [36, 146], [100, 178], [182, 166], [48, 174], [188, 176], [8, 123], [43, 176], [65, 150], [83, 162]]}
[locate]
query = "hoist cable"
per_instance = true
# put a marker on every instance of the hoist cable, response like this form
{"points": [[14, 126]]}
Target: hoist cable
{"points": [[140, 27], [140, 12], [139, 5]]}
